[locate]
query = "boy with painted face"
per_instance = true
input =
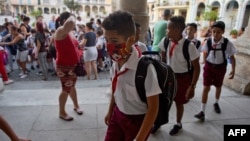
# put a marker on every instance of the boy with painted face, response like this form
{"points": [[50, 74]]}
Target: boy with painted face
{"points": [[128, 118]]}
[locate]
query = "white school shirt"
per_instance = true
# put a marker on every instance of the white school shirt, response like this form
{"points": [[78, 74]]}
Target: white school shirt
{"points": [[177, 62], [100, 41], [126, 97], [218, 57], [141, 46], [195, 41]]}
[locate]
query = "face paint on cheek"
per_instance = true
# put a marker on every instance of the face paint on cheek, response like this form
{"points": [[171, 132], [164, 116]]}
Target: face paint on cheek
{"points": [[117, 52]]}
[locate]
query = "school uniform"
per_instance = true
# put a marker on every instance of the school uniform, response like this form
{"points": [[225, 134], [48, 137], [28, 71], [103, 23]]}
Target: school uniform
{"points": [[129, 111], [175, 59], [215, 66]]}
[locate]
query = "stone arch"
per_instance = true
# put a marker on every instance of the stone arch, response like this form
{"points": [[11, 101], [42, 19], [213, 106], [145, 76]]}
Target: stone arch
{"points": [[40, 9], [233, 4], [95, 10], [80, 8], [246, 14], [46, 10], [87, 10], [215, 6], [102, 10], [200, 9], [232, 9], [53, 10]]}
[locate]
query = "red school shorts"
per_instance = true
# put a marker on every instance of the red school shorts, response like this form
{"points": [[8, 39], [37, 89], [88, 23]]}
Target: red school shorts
{"points": [[123, 127], [214, 74], [183, 82]]}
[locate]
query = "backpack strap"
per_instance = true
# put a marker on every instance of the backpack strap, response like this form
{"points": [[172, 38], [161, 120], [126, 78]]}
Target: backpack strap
{"points": [[209, 45], [198, 44], [166, 43], [186, 54], [223, 48], [140, 76]]}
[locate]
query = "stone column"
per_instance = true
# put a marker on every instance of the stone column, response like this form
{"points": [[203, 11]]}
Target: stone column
{"points": [[222, 10], [139, 9], [241, 81], [192, 9], [176, 12], [240, 16]]}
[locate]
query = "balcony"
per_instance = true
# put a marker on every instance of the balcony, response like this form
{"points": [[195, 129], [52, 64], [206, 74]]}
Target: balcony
{"points": [[91, 1], [174, 3]]}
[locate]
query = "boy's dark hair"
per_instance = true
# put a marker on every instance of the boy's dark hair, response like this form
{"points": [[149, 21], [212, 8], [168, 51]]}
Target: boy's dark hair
{"points": [[166, 13], [219, 24], [194, 25], [120, 21], [137, 25], [26, 19], [178, 22]]}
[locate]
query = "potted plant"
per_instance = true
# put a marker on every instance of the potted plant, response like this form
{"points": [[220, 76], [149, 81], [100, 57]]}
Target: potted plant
{"points": [[234, 33], [210, 15]]}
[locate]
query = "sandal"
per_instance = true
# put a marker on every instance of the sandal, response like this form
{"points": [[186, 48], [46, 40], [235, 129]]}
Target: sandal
{"points": [[66, 118], [78, 111]]}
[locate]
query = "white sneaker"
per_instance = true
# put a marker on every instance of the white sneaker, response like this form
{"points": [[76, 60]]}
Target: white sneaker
{"points": [[8, 82], [20, 74], [23, 76]]}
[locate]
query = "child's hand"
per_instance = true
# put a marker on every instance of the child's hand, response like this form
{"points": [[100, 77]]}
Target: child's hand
{"points": [[231, 75], [190, 93], [107, 118]]}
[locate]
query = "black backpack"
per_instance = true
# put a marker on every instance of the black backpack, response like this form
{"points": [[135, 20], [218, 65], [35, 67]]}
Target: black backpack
{"points": [[185, 53], [166, 80], [223, 48]]}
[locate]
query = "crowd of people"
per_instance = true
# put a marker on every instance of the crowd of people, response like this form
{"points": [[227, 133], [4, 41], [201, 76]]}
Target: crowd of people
{"points": [[32, 47], [119, 33]]}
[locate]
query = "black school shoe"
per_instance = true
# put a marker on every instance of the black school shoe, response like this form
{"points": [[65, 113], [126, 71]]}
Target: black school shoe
{"points": [[217, 108], [200, 116], [175, 130], [155, 129]]}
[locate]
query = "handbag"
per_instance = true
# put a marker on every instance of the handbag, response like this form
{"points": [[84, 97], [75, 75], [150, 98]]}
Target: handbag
{"points": [[80, 69]]}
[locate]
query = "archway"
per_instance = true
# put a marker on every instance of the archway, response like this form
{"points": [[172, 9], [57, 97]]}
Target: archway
{"points": [[87, 10], [79, 9], [201, 8], [53, 10], [232, 12], [102, 10], [215, 6], [246, 15], [95, 10], [46, 10]]}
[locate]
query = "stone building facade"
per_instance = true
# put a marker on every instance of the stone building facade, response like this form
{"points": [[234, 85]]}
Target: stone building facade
{"points": [[233, 12]]}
